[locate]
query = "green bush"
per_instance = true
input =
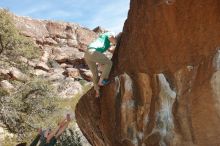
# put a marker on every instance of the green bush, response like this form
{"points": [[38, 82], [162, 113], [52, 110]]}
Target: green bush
{"points": [[35, 105], [12, 43], [8, 33], [28, 108]]}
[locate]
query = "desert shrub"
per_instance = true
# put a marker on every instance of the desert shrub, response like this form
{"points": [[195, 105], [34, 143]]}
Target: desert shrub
{"points": [[70, 138], [27, 109], [11, 42], [13, 45]]}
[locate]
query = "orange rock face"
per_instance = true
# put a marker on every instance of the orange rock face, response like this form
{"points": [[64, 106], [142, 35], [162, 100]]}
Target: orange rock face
{"points": [[165, 88]]}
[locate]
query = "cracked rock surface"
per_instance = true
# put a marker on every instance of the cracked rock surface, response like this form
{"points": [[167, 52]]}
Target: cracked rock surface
{"points": [[165, 83]]}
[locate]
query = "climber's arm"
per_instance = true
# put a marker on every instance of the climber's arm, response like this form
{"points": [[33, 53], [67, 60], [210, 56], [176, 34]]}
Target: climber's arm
{"points": [[113, 43], [37, 138], [111, 49]]}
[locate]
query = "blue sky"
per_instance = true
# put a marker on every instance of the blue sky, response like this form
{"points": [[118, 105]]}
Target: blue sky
{"points": [[109, 14]]}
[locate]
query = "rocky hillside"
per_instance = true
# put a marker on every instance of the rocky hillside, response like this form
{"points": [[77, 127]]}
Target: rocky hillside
{"points": [[59, 70], [165, 84], [60, 43], [61, 57]]}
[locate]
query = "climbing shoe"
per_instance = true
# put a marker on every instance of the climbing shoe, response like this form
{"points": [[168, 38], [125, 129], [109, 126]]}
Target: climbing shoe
{"points": [[105, 82]]}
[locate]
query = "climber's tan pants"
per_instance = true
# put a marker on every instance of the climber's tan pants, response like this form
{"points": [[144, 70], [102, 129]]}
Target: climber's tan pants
{"points": [[93, 57]]}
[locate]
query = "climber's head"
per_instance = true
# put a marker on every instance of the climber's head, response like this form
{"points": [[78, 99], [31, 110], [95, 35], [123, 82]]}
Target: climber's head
{"points": [[112, 38]]}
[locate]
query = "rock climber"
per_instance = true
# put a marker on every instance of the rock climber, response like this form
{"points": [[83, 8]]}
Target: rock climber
{"points": [[48, 137], [94, 54]]}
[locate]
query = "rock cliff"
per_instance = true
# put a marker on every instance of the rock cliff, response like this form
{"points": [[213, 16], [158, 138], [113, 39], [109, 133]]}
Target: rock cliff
{"points": [[61, 60], [165, 84]]}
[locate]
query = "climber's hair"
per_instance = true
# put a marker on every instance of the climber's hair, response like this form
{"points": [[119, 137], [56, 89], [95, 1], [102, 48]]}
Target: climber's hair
{"points": [[22, 144], [118, 37]]}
